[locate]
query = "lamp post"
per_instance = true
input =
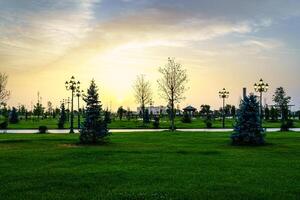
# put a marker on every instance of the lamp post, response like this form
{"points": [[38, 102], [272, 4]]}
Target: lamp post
{"points": [[72, 85], [78, 94], [223, 94], [261, 87]]}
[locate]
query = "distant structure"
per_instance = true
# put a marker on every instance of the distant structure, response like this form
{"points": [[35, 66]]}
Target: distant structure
{"points": [[190, 110], [155, 110]]}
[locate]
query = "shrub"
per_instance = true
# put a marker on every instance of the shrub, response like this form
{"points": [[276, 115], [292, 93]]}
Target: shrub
{"points": [[286, 125], [42, 129], [248, 130], [4, 125], [186, 118], [156, 122], [63, 117], [208, 123]]}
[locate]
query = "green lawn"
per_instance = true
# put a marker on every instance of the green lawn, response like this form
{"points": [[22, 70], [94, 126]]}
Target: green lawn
{"points": [[162, 165], [133, 124]]}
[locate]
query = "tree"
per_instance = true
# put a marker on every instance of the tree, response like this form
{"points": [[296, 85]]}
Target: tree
{"points": [[233, 111], [38, 110], [4, 93], [49, 108], [281, 101], [13, 117], [143, 95], [205, 110], [107, 116], [172, 85], [248, 130], [121, 112], [63, 116], [274, 114], [186, 118], [94, 128], [267, 113]]}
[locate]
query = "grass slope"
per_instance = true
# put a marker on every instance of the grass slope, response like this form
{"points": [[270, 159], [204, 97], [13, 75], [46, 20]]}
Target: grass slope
{"points": [[149, 166]]}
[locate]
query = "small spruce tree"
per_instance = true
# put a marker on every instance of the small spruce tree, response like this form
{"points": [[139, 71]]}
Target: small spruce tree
{"points": [[248, 130], [63, 116], [94, 128], [13, 117]]}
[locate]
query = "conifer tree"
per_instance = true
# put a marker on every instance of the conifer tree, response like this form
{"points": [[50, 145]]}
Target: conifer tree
{"points": [[94, 128], [248, 130], [13, 117], [63, 116]]}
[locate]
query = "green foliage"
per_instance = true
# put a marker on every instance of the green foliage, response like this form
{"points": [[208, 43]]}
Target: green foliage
{"points": [[121, 112], [38, 110], [274, 114], [43, 129], [94, 128], [156, 122], [248, 130], [146, 118], [267, 113], [13, 116], [107, 117], [186, 118], [63, 117], [281, 101], [4, 125]]}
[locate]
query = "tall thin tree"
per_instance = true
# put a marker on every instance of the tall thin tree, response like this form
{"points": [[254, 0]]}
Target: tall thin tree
{"points": [[172, 85], [4, 93], [143, 94]]}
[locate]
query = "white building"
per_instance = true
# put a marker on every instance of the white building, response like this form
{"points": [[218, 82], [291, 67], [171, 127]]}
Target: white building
{"points": [[155, 110]]}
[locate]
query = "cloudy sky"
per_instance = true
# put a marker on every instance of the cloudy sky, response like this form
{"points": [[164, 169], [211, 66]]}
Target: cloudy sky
{"points": [[222, 43]]}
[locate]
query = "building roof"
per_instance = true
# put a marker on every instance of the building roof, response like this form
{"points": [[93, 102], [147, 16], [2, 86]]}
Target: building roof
{"points": [[190, 108]]}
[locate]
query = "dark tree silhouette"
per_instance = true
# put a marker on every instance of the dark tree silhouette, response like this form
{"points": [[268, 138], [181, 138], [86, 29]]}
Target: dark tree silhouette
{"points": [[172, 85], [63, 116], [94, 128], [13, 116]]}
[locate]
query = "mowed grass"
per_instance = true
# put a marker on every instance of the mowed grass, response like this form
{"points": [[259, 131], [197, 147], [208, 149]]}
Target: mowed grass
{"points": [[162, 165], [134, 123]]}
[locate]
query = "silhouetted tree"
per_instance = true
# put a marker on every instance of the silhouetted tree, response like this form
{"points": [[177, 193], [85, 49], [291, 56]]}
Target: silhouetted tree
{"points": [[121, 112], [13, 116], [94, 128], [143, 93], [172, 85], [274, 114], [4, 93], [186, 118], [38, 110], [156, 122], [233, 111], [146, 116], [63, 116], [248, 130], [107, 116], [267, 113]]}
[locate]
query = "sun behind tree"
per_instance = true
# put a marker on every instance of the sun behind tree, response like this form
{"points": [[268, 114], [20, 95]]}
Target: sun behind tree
{"points": [[94, 128]]}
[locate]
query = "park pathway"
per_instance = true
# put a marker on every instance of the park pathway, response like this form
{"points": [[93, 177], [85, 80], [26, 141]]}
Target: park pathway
{"points": [[59, 131]]}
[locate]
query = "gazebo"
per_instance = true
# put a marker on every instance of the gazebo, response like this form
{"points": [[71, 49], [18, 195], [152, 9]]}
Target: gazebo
{"points": [[190, 110]]}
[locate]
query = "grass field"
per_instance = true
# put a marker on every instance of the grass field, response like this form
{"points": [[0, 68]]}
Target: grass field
{"points": [[133, 124], [163, 165]]}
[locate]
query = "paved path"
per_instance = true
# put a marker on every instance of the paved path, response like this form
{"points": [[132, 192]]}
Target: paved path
{"points": [[133, 130]]}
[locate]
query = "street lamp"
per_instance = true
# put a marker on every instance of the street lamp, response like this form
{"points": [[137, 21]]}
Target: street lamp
{"points": [[72, 85], [224, 94], [79, 93], [261, 87]]}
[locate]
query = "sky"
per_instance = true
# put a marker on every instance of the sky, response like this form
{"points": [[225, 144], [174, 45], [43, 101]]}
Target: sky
{"points": [[221, 43]]}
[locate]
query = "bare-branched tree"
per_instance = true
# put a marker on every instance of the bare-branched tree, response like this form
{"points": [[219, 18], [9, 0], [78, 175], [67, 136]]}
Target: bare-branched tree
{"points": [[143, 94], [172, 85], [4, 93]]}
